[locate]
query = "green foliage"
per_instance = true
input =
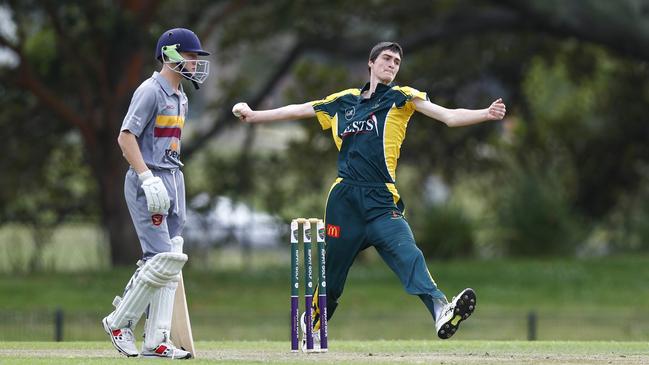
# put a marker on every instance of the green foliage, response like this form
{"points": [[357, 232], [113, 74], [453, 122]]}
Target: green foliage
{"points": [[61, 190], [535, 214], [583, 103], [560, 173], [445, 232], [46, 180], [628, 224], [41, 48], [573, 94]]}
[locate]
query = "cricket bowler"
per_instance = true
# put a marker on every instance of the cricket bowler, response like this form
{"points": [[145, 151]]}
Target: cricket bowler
{"points": [[368, 126], [154, 189]]}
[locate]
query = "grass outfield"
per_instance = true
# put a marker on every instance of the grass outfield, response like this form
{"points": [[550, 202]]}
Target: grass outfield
{"points": [[598, 300], [348, 352]]}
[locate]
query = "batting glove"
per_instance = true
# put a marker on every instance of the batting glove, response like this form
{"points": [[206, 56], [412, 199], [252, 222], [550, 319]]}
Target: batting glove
{"points": [[157, 198]]}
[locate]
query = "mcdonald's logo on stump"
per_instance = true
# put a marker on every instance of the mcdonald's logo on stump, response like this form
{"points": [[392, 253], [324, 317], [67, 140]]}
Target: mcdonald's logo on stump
{"points": [[333, 231]]}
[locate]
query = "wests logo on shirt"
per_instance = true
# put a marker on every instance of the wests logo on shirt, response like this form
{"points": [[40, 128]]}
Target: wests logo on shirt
{"points": [[172, 154], [371, 125]]}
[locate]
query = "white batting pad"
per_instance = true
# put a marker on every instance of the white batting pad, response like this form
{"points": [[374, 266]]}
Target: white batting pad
{"points": [[157, 272], [158, 324]]}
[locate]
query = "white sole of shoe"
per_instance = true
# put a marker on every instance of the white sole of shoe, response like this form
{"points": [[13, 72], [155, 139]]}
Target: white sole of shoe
{"points": [[464, 306]]}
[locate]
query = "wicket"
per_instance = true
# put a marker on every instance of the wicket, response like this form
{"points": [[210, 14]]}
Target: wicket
{"points": [[303, 226]]}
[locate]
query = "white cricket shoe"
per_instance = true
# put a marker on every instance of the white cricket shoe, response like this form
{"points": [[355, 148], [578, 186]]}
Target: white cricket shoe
{"points": [[166, 350], [316, 335], [122, 338], [459, 309]]}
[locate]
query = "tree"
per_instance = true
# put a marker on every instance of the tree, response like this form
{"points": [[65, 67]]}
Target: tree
{"points": [[81, 61], [503, 41]]}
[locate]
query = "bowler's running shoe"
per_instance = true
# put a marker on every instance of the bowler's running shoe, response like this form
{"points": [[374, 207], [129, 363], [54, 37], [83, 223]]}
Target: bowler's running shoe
{"points": [[166, 350], [459, 309], [315, 332], [122, 338]]}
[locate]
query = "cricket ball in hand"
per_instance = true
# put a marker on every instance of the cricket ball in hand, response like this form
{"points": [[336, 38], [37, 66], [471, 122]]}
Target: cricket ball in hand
{"points": [[236, 109]]}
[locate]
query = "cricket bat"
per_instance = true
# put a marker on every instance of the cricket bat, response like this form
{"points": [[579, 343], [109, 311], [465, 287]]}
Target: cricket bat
{"points": [[181, 328]]}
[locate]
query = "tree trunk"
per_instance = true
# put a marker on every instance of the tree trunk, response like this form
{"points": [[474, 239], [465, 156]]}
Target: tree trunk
{"points": [[109, 171], [124, 244]]}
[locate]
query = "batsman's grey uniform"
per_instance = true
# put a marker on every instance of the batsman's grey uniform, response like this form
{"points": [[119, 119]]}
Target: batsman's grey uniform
{"points": [[156, 117], [156, 198]]}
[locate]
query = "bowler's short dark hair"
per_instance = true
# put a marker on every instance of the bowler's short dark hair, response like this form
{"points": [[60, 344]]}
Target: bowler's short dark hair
{"points": [[382, 46]]}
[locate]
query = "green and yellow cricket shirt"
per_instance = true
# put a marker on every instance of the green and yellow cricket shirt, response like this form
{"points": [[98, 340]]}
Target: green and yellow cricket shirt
{"points": [[368, 132], [363, 207]]}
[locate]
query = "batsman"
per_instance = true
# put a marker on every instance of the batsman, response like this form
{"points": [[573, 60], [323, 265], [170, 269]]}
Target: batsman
{"points": [[154, 189], [364, 208]]}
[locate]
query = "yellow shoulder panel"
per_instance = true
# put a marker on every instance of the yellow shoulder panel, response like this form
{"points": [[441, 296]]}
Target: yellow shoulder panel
{"points": [[411, 92], [335, 96]]}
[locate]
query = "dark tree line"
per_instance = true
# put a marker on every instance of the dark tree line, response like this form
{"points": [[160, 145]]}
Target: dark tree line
{"points": [[79, 62]]}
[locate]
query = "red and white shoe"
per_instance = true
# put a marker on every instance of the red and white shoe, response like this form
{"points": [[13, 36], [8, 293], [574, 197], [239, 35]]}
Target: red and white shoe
{"points": [[122, 339], [167, 350]]}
